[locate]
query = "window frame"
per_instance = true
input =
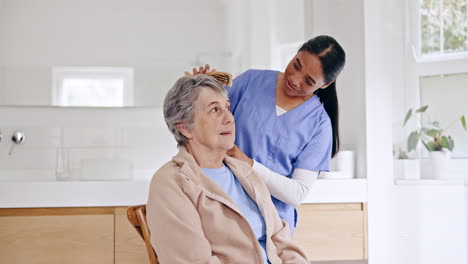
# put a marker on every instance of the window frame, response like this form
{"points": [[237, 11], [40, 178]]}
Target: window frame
{"points": [[414, 28], [419, 65], [59, 74]]}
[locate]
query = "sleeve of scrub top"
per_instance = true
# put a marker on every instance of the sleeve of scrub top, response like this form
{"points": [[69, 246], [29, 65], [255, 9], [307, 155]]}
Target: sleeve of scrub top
{"points": [[236, 91], [291, 191], [316, 155]]}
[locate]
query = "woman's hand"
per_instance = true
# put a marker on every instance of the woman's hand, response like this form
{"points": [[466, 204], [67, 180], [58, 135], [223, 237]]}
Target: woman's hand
{"points": [[201, 70], [237, 153]]}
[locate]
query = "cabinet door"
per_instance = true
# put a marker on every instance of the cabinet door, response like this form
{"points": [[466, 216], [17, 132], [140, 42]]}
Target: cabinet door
{"points": [[332, 231], [56, 236], [129, 246]]}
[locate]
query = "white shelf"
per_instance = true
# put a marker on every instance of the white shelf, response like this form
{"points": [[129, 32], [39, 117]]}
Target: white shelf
{"points": [[431, 182], [73, 194], [124, 193], [338, 191]]}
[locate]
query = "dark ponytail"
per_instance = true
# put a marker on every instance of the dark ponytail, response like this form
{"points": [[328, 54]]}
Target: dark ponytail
{"points": [[332, 57], [329, 100]]}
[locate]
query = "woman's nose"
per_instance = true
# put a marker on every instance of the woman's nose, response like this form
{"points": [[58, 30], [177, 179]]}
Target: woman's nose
{"points": [[228, 117], [295, 81]]}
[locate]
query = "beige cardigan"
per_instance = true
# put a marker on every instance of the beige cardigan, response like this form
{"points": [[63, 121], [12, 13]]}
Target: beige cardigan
{"points": [[192, 220]]}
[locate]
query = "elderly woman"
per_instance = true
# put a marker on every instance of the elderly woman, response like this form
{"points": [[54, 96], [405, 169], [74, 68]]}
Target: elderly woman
{"points": [[204, 206]]}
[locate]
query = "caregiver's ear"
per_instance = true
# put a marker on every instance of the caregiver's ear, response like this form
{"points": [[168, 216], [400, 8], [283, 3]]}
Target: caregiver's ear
{"points": [[327, 84], [184, 130]]}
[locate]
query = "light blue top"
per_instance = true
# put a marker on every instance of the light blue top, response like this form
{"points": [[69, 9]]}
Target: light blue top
{"points": [[300, 138], [225, 178]]}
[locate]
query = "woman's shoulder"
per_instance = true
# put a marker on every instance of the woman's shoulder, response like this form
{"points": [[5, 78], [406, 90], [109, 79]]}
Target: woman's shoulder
{"points": [[256, 78], [259, 72], [168, 174], [171, 181], [317, 110]]}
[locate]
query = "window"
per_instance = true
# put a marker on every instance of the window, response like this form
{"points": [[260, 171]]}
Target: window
{"points": [[443, 27], [92, 86], [436, 64]]}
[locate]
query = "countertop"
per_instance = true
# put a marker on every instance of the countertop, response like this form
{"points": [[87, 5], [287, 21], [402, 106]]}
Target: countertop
{"points": [[125, 193]]}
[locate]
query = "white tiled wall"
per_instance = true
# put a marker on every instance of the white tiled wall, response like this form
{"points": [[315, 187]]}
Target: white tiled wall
{"points": [[84, 143]]}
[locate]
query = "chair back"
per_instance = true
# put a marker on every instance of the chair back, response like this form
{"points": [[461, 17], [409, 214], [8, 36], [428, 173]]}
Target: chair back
{"points": [[137, 217]]}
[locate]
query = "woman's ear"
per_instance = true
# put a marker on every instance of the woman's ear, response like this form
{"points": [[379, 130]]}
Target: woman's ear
{"points": [[183, 129], [327, 84]]}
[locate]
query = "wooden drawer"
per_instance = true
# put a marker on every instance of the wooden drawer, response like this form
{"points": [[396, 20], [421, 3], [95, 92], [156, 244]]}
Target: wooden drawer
{"points": [[332, 231], [104, 235], [56, 236]]}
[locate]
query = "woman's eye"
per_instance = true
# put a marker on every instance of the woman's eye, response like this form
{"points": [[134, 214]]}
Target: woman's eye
{"points": [[214, 110], [296, 67]]}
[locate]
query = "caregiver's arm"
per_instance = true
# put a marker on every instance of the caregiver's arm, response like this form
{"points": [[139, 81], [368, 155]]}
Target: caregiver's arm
{"points": [[289, 190]]}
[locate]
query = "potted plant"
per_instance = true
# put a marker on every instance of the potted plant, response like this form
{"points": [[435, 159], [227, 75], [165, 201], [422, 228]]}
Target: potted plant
{"points": [[405, 166], [434, 138]]}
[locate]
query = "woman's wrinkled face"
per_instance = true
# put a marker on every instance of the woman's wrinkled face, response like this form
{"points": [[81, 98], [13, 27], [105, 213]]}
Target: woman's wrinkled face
{"points": [[213, 127], [304, 75]]}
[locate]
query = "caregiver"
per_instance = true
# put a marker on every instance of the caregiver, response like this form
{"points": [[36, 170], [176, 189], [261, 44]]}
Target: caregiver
{"points": [[287, 122]]}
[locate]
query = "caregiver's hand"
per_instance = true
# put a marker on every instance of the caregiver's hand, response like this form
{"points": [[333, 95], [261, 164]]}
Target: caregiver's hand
{"points": [[201, 70], [237, 153]]}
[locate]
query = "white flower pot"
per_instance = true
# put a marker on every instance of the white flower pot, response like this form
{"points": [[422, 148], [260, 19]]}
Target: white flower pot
{"points": [[439, 164], [408, 169]]}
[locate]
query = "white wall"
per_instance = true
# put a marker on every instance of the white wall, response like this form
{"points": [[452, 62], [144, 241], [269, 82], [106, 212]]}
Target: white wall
{"points": [[466, 217], [343, 20], [407, 223], [238, 38], [276, 32], [134, 139], [259, 33], [2, 41], [159, 39], [288, 31]]}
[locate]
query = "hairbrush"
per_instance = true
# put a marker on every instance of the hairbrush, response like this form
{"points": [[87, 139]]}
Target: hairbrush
{"points": [[224, 78]]}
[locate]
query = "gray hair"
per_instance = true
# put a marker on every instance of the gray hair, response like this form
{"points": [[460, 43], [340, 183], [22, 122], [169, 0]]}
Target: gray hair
{"points": [[180, 102]]}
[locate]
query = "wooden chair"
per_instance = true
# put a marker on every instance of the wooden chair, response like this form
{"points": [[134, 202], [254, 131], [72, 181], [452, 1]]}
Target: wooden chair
{"points": [[137, 217]]}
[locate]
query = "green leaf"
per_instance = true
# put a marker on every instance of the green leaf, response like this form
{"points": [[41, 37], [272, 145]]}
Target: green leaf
{"points": [[413, 140], [463, 121], [408, 116], [432, 146], [433, 133], [445, 142], [422, 109], [451, 143]]}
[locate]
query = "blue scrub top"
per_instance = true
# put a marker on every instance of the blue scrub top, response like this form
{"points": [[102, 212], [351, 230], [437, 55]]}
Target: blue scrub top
{"points": [[300, 138]]}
